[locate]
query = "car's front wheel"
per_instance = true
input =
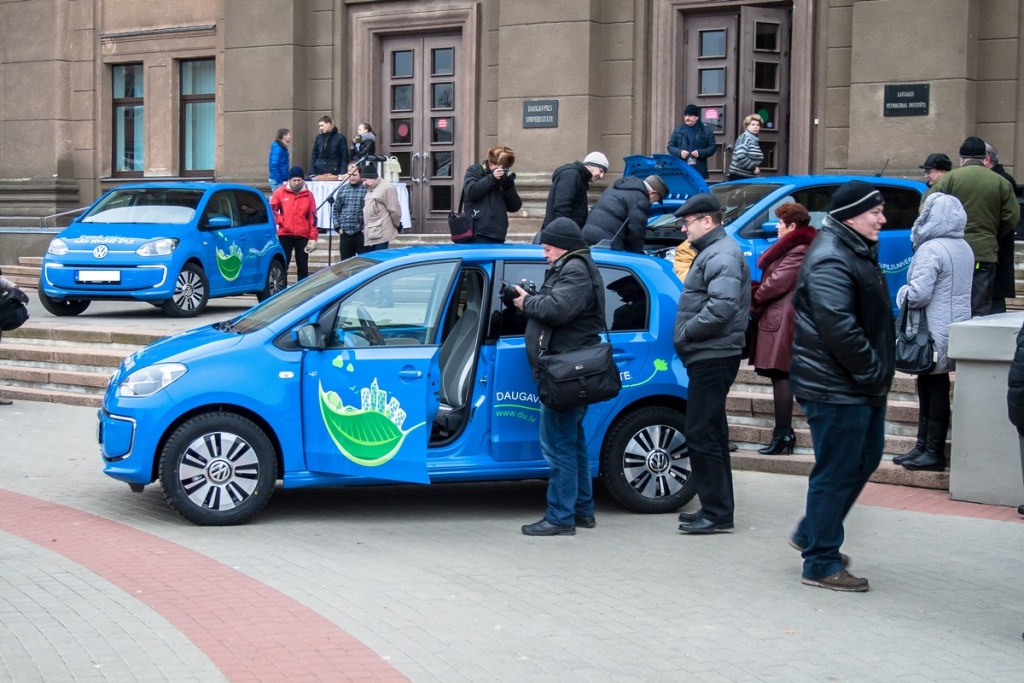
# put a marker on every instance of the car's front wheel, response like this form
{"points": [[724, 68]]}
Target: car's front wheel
{"points": [[645, 463], [218, 469], [275, 281], [191, 293], [63, 307]]}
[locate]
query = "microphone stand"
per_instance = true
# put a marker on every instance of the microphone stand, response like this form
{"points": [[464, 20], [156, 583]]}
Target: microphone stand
{"points": [[329, 199]]}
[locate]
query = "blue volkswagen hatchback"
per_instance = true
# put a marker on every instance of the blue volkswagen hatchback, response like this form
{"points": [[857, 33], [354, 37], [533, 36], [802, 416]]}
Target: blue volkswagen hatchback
{"points": [[172, 245], [403, 366], [750, 205]]}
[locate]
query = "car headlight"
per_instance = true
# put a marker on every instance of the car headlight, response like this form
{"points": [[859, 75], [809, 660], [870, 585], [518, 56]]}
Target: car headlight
{"points": [[160, 247], [149, 380], [58, 247]]}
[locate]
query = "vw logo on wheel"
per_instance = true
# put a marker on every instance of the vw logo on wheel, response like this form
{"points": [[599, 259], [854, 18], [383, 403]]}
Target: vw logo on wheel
{"points": [[100, 251], [219, 471]]}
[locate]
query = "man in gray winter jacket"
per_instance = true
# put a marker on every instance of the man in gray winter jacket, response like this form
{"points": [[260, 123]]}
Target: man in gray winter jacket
{"points": [[709, 332]]}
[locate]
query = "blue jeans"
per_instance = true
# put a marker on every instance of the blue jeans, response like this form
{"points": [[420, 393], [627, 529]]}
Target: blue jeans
{"points": [[707, 435], [564, 446], [848, 442]]}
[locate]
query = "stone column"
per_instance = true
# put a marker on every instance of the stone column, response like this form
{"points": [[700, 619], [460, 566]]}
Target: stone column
{"points": [[36, 150]]}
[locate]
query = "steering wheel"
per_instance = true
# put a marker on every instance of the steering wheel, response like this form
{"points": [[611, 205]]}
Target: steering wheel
{"points": [[369, 327]]}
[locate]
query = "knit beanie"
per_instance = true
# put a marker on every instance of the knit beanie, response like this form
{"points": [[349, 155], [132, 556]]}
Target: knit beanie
{"points": [[369, 171], [691, 110], [973, 148], [853, 199], [596, 159], [296, 172], [564, 234]]}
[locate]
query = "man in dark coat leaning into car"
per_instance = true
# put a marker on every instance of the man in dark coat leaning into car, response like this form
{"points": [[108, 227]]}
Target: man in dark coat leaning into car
{"points": [[620, 215], [710, 329], [842, 366], [569, 184], [566, 314]]}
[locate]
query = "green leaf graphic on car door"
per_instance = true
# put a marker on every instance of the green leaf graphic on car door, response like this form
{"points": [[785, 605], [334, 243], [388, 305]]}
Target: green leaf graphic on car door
{"points": [[368, 436], [230, 264]]}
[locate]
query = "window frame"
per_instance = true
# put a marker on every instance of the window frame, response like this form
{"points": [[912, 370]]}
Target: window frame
{"points": [[115, 103], [183, 102]]}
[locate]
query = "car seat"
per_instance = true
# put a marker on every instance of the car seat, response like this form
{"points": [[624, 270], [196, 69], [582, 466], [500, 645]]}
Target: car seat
{"points": [[456, 359]]}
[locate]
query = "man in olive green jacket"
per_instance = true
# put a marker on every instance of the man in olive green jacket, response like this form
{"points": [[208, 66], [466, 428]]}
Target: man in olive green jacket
{"points": [[992, 211]]}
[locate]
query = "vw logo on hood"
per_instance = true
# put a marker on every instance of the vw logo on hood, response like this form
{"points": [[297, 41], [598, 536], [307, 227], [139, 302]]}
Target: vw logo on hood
{"points": [[100, 251]]}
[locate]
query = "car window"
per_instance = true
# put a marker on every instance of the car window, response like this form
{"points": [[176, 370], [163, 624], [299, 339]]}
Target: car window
{"points": [[506, 319], [736, 197], [222, 203], [252, 210], [286, 301], [399, 308], [901, 207], [151, 205], [626, 301]]}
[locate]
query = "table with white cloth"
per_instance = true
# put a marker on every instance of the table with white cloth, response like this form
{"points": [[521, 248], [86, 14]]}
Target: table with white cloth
{"points": [[322, 189]]}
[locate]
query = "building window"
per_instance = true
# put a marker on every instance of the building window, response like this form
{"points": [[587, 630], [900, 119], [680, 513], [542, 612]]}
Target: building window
{"points": [[128, 120], [198, 116]]}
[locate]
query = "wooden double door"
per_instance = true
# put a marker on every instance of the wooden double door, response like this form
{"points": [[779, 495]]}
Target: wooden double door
{"points": [[737, 64], [422, 79]]}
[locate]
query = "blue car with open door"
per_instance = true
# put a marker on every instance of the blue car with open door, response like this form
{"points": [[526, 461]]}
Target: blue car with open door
{"points": [[402, 365]]}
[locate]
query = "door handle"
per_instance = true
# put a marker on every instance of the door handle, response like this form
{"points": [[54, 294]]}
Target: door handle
{"points": [[410, 374], [424, 175], [623, 357], [412, 167]]}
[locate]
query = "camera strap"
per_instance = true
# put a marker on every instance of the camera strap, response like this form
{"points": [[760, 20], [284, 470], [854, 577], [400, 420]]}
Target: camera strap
{"points": [[545, 339]]}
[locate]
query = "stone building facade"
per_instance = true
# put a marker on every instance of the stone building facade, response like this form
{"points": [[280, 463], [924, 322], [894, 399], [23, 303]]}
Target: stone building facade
{"points": [[99, 92]]}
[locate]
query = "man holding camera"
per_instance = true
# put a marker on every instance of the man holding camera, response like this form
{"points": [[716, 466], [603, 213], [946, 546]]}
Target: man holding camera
{"points": [[294, 210], [490, 195], [565, 314]]}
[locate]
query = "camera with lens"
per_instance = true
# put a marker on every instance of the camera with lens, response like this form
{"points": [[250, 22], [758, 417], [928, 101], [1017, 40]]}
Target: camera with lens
{"points": [[507, 292], [509, 176]]}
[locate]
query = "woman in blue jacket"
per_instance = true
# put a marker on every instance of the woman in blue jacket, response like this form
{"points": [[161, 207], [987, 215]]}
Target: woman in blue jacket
{"points": [[278, 161]]}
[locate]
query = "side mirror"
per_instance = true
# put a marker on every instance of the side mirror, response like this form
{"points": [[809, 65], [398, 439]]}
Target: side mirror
{"points": [[217, 222], [771, 227], [308, 337]]}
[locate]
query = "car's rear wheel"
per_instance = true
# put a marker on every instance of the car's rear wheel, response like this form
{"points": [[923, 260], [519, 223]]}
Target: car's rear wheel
{"points": [[275, 281], [645, 463], [62, 307], [218, 469], [191, 293]]}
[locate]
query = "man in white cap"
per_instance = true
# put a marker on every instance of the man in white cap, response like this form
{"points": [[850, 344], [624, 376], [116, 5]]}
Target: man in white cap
{"points": [[569, 183]]}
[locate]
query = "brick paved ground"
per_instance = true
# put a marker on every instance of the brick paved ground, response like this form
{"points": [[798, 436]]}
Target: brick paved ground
{"points": [[437, 584]]}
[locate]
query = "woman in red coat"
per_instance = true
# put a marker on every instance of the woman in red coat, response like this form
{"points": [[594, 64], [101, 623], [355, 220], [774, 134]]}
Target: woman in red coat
{"points": [[771, 302]]}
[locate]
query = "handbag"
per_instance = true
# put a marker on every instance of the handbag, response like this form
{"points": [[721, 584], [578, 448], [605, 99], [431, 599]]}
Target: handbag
{"points": [[13, 310], [915, 353], [460, 226], [579, 377]]}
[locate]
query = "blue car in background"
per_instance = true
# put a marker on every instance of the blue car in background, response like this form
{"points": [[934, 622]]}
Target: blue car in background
{"points": [[749, 207], [174, 245], [401, 366]]}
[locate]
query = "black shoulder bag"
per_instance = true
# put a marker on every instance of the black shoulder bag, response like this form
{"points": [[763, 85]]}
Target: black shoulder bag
{"points": [[460, 226], [915, 353], [13, 310], [579, 377]]}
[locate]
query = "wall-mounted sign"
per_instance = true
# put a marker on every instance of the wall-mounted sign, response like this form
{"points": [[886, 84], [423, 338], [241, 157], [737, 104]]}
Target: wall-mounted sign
{"points": [[540, 114], [905, 100]]}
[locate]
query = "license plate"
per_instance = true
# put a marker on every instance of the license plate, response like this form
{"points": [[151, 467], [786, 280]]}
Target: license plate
{"points": [[99, 276]]}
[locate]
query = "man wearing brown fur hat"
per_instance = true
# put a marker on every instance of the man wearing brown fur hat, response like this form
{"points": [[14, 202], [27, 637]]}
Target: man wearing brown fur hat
{"points": [[490, 195]]}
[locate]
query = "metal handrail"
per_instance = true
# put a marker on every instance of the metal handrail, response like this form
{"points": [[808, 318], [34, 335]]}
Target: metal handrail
{"points": [[43, 220]]}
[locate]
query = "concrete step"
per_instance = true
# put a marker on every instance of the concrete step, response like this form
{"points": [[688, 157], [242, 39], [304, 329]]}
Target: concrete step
{"points": [[69, 381], [887, 473], [20, 393], [36, 261], [21, 271], [74, 359], [81, 335]]}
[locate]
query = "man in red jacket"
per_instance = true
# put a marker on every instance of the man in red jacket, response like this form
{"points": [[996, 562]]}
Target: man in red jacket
{"points": [[295, 214]]}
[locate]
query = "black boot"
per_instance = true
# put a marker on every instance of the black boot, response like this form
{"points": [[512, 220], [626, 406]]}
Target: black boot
{"points": [[934, 457], [922, 429], [782, 440]]}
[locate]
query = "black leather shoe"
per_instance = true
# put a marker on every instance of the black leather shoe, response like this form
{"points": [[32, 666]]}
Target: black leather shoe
{"points": [[546, 528], [1020, 509], [5, 401], [689, 517], [706, 526], [586, 522]]}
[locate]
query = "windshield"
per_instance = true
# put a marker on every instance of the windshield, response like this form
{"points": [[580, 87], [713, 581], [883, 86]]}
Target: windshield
{"points": [[736, 197], [152, 205], [286, 301]]}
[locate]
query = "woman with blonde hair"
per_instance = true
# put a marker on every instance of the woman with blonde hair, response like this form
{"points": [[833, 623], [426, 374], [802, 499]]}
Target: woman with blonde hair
{"points": [[746, 151]]}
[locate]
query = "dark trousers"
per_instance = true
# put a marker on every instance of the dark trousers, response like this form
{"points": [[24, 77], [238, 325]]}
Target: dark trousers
{"points": [[707, 434], [933, 397], [350, 245], [291, 243], [848, 442], [981, 289]]}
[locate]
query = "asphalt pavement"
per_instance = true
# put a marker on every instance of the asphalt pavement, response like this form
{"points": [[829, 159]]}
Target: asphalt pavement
{"points": [[436, 583]]}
